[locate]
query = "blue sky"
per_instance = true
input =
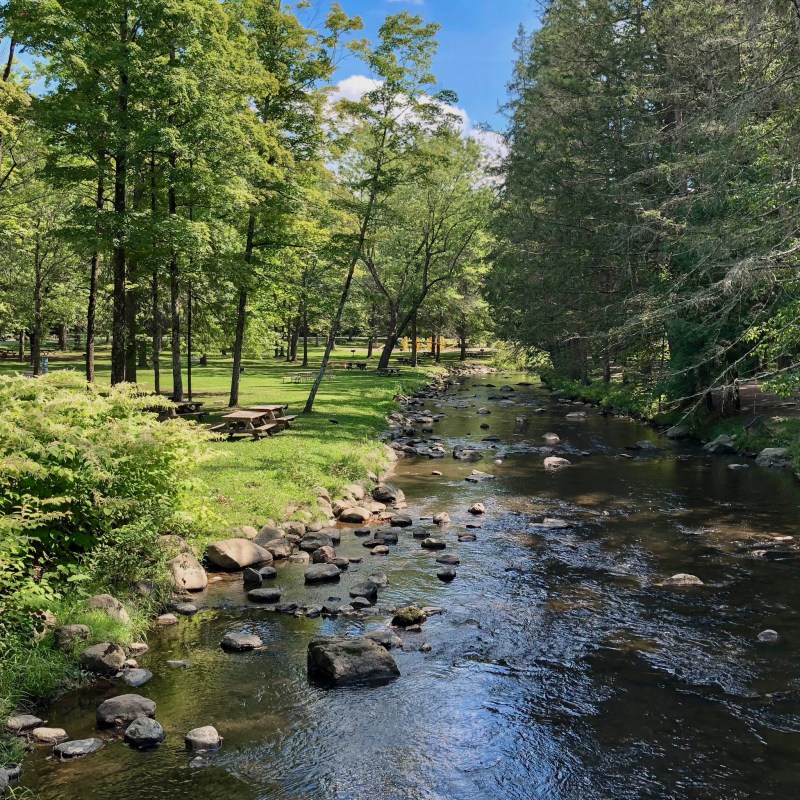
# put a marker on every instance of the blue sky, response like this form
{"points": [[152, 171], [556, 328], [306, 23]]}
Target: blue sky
{"points": [[475, 45]]}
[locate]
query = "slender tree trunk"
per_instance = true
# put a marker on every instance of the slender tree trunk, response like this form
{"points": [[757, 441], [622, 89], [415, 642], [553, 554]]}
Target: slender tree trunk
{"points": [[36, 333], [131, 322], [62, 336], [174, 294], [370, 346], [120, 199], [414, 340], [305, 337], [241, 317], [156, 313], [94, 270], [462, 343], [21, 346], [189, 343]]}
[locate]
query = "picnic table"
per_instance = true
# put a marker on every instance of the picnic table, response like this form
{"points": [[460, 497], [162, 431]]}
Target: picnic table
{"points": [[277, 413], [8, 353], [182, 409], [386, 371], [247, 423]]}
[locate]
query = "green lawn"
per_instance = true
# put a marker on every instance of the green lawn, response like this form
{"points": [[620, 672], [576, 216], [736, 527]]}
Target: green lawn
{"points": [[254, 481]]}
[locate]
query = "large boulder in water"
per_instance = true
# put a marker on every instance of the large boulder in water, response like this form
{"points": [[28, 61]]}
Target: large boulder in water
{"points": [[77, 748], [186, 573], [123, 709], [773, 457], [313, 541], [202, 739], [143, 733], [356, 515], [387, 493], [554, 463], [348, 661], [236, 554], [723, 444]]}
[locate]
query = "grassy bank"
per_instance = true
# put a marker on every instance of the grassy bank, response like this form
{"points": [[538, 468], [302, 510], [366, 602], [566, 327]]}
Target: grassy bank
{"points": [[638, 402], [244, 482]]}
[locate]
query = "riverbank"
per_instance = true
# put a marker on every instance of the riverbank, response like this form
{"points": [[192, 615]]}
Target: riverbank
{"points": [[245, 483], [744, 434]]}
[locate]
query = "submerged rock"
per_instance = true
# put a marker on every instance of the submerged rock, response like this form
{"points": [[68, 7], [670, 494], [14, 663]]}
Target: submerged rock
{"points": [[556, 462], [769, 636], [77, 748], [347, 661], [239, 641], [682, 579], [407, 616]]}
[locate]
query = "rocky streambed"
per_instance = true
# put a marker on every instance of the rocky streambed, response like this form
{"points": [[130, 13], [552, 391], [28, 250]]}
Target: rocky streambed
{"points": [[618, 622]]}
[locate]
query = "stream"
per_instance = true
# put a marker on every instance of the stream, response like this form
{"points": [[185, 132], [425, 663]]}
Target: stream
{"points": [[559, 669]]}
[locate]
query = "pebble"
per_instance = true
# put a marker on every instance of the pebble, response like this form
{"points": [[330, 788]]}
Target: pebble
{"points": [[768, 636]]}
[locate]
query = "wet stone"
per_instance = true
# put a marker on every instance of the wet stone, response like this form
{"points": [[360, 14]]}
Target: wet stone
{"points": [[264, 595], [240, 642], [449, 559], [203, 739], [144, 733], [76, 748], [22, 723], [136, 677], [49, 735], [434, 544], [446, 574]]}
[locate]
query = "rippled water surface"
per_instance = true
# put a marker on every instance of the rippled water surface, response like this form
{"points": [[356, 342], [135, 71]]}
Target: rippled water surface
{"points": [[558, 670]]}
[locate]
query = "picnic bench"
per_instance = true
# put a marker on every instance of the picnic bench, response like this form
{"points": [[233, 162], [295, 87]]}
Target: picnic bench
{"points": [[386, 371], [9, 354], [277, 413], [247, 423]]}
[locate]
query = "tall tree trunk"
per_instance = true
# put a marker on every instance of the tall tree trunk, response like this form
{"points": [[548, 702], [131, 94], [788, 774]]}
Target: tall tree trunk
{"points": [[36, 333], [120, 199], [94, 270], [414, 340], [241, 317], [174, 293], [62, 336], [305, 337], [21, 346], [462, 344], [131, 322], [156, 313], [370, 346], [189, 343]]}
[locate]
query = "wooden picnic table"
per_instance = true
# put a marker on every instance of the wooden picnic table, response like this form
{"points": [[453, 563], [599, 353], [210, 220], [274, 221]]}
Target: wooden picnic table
{"points": [[247, 423], [9, 353], [277, 413]]}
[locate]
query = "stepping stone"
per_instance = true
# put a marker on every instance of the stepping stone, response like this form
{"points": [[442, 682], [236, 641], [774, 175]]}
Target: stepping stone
{"points": [[433, 544], [264, 595], [49, 735], [205, 738], [136, 677], [446, 574], [76, 748], [447, 558], [240, 642]]}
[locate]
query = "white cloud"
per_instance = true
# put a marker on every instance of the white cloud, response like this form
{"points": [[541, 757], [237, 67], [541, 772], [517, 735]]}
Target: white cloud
{"points": [[356, 86]]}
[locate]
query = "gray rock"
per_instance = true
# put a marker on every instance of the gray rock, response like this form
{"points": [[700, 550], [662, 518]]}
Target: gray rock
{"points": [[477, 509], [551, 438], [136, 677], [123, 709], [400, 521], [345, 661], [4, 781], [178, 663], [446, 574], [163, 620], [313, 541], [267, 572], [467, 454], [722, 444], [768, 636], [323, 555], [479, 477], [279, 548], [363, 532], [239, 642], [203, 739], [366, 589], [555, 463], [577, 415], [22, 723], [322, 572], [67, 635], [385, 638], [379, 579], [775, 457], [143, 733], [386, 537], [104, 659], [360, 603], [341, 562], [49, 735], [380, 550], [111, 606], [252, 577], [447, 558], [682, 579], [185, 609], [387, 493], [187, 574], [408, 616], [233, 554], [467, 537], [269, 533], [264, 595], [294, 527], [76, 748], [356, 515], [678, 432], [433, 544], [442, 518]]}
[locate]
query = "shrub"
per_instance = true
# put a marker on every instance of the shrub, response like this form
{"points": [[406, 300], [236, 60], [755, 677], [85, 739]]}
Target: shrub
{"points": [[85, 475]]}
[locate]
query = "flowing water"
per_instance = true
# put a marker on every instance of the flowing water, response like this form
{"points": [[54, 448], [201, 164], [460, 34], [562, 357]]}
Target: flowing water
{"points": [[559, 669]]}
